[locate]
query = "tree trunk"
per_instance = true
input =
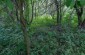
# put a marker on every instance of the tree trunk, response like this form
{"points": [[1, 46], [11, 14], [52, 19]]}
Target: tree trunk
{"points": [[79, 11], [24, 28], [58, 8], [83, 24]]}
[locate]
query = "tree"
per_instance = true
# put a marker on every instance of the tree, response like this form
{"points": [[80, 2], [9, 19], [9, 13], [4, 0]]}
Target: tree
{"points": [[59, 16], [79, 11], [78, 5], [58, 11], [19, 5], [24, 27]]}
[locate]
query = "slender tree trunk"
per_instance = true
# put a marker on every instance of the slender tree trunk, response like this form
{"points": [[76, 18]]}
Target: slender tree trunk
{"points": [[16, 6], [60, 12], [35, 12], [24, 28], [32, 9], [83, 24], [79, 14], [58, 8], [79, 11]]}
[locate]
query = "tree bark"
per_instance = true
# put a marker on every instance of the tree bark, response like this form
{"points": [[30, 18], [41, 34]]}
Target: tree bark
{"points": [[79, 11], [24, 28], [83, 24], [58, 8]]}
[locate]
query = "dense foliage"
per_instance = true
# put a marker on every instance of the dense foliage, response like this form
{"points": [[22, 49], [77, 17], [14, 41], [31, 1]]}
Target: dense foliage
{"points": [[42, 27]]}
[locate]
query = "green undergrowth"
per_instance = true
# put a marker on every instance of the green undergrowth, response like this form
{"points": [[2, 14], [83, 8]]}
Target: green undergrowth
{"points": [[44, 38], [48, 41], [42, 21]]}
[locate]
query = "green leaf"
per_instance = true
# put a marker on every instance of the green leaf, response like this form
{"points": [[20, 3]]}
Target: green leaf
{"points": [[9, 4], [82, 2], [79, 3], [72, 4], [69, 3]]}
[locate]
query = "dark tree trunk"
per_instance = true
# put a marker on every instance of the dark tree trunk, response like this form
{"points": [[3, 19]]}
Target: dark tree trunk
{"points": [[24, 28], [79, 11], [83, 24], [58, 9]]}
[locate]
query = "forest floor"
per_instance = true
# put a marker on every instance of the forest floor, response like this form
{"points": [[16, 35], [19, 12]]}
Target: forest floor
{"points": [[45, 40]]}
